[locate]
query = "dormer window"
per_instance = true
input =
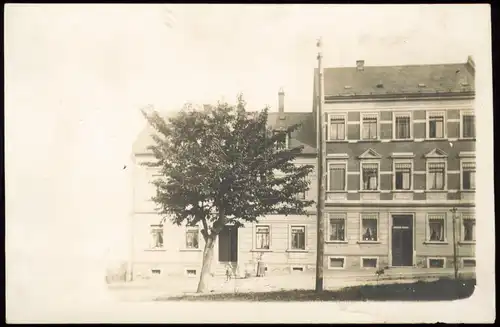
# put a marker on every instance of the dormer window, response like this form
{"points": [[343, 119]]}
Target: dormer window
{"points": [[283, 140]]}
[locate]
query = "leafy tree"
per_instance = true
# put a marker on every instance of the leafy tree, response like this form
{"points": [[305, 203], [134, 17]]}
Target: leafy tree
{"points": [[223, 165]]}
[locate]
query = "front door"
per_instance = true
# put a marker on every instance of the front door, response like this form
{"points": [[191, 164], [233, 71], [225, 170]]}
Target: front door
{"points": [[402, 240], [228, 244]]}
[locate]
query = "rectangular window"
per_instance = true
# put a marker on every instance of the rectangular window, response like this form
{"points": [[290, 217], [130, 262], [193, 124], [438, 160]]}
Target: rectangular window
{"points": [[436, 126], [192, 238], [337, 176], [436, 175], [369, 262], [262, 237], [337, 128], [436, 228], [191, 272], [402, 178], [337, 229], [298, 237], [370, 176], [369, 127], [468, 263], [156, 236], [469, 125], [435, 263], [336, 263], [282, 141], [469, 176], [369, 227], [302, 195], [469, 227], [402, 129], [156, 271]]}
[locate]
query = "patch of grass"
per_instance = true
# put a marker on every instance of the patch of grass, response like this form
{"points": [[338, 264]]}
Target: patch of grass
{"points": [[440, 290]]}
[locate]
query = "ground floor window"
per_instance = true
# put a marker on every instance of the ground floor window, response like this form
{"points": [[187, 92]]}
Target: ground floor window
{"points": [[156, 237], [298, 236], [369, 227], [192, 238], [436, 228], [262, 237]]}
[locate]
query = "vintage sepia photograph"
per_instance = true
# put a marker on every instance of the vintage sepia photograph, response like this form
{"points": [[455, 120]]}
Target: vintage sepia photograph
{"points": [[258, 154]]}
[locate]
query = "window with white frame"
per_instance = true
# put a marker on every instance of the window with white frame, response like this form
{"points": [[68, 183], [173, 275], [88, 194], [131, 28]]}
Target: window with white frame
{"points": [[436, 175], [402, 126], [369, 127], [337, 127], [369, 176], [435, 263], [468, 263], [262, 237], [436, 126], [298, 237], [336, 227], [468, 228], [156, 236], [337, 176], [369, 262], [369, 227], [468, 125], [192, 238], [402, 176], [336, 262], [468, 175], [436, 227]]}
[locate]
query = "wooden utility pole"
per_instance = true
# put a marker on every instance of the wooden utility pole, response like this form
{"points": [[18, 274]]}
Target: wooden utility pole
{"points": [[455, 256], [320, 133]]}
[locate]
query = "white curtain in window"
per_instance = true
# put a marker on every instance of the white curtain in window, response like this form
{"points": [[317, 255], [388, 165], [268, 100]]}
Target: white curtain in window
{"points": [[436, 229], [337, 177]]}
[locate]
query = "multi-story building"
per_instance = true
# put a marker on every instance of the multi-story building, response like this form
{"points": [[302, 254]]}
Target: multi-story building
{"points": [[285, 244], [400, 157], [400, 154]]}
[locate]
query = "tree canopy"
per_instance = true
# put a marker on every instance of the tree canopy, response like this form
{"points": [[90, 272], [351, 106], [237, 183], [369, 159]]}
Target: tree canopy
{"points": [[223, 164]]}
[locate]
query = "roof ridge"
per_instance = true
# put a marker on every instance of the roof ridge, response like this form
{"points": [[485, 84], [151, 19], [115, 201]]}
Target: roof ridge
{"points": [[394, 66]]}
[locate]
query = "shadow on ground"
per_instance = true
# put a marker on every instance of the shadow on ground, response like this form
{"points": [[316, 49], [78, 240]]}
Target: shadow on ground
{"points": [[440, 290]]}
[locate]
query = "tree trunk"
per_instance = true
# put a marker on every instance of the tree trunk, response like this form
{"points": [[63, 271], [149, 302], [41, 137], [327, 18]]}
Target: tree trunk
{"points": [[208, 253]]}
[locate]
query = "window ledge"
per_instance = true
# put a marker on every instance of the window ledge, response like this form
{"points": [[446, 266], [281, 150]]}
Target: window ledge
{"points": [[190, 250], [369, 191], [368, 242], [467, 242], [436, 139], [468, 191], [402, 191], [337, 141], [436, 242], [261, 250], [402, 140], [337, 242], [467, 138], [155, 250], [335, 191], [369, 141], [297, 250], [436, 191]]}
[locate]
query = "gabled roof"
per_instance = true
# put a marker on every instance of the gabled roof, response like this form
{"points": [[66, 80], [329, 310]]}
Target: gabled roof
{"points": [[305, 135], [399, 80]]}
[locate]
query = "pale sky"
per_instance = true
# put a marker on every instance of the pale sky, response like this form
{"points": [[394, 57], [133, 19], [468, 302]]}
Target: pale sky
{"points": [[77, 76]]}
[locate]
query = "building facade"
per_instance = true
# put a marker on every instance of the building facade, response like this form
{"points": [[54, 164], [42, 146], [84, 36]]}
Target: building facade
{"points": [[400, 170], [285, 244], [400, 166]]}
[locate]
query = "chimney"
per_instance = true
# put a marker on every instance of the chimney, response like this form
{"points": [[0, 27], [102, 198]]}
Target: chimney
{"points": [[360, 65], [470, 62], [281, 101]]}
